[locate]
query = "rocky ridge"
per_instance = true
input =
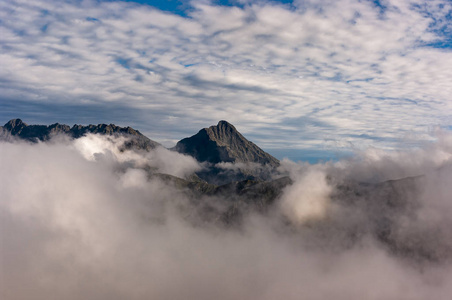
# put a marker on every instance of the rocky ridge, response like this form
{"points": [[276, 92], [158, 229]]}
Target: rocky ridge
{"points": [[18, 129]]}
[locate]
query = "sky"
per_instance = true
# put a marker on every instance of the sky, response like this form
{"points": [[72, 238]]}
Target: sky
{"points": [[310, 80], [304, 79]]}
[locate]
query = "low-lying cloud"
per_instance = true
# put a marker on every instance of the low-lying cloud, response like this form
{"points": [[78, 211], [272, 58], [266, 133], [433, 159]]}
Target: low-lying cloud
{"points": [[94, 147], [80, 220]]}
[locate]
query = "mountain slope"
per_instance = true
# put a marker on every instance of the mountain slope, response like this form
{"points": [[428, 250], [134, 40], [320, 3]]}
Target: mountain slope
{"points": [[223, 143], [17, 128]]}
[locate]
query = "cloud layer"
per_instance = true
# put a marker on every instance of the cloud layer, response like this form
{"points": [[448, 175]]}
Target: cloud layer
{"points": [[314, 75], [80, 220]]}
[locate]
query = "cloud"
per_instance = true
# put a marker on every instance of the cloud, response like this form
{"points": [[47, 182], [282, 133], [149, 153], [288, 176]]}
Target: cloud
{"points": [[308, 199], [375, 164], [94, 147], [352, 67], [93, 225]]}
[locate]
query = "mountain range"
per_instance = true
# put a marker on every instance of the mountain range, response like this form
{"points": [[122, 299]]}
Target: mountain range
{"points": [[225, 195], [255, 182], [217, 144]]}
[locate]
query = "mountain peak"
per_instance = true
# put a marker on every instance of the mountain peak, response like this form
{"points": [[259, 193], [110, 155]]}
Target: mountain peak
{"points": [[223, 143], [15, 126], [15, 123], [223, 133], [225, 124]]}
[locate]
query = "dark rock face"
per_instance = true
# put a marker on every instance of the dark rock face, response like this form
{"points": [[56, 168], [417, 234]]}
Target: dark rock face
{"points": [[15, 126], [33, 133], [223, 143]]}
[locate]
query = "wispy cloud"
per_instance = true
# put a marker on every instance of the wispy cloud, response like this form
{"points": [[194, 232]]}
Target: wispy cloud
{"points": [[351, 72]]}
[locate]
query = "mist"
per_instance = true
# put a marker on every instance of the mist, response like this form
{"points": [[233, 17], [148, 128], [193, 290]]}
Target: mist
{"points": [[81, 219]]}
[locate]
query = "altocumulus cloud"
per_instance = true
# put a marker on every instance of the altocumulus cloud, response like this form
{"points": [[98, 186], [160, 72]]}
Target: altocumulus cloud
{"points": [[347, 72], [83, 221]]}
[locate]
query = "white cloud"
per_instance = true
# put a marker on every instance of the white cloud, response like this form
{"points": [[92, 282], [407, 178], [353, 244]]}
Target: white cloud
{"points": [[94, 147], [345, 64], [308, 200], [76, 227]]}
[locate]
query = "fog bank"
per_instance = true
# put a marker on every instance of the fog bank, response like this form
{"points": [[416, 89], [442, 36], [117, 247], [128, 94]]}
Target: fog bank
{"points": [[82, 220]]}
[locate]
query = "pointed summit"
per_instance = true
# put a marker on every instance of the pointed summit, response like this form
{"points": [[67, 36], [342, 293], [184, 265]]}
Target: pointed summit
{"points": [[15, 126], [223, 143], [222, 132]]}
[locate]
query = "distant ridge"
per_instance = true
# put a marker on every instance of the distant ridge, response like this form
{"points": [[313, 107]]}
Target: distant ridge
{"points": [[216, 144], [17, 128], [223, 143]]}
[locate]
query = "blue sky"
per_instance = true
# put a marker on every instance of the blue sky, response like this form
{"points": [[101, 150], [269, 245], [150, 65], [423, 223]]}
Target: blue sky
{"points": [[304, 79]]}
